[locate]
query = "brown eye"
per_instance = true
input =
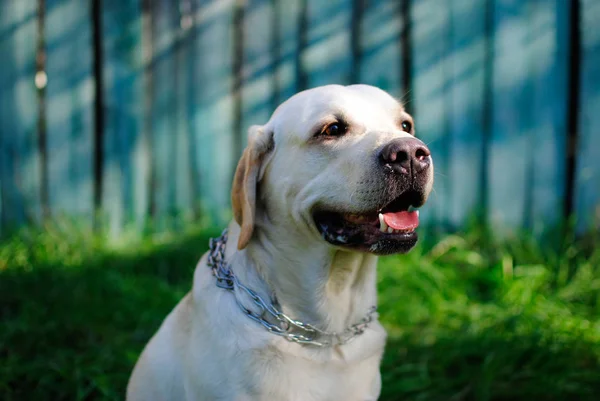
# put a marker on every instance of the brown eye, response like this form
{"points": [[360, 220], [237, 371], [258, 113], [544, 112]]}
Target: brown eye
{"points": [[406, 126], [335, 130]]}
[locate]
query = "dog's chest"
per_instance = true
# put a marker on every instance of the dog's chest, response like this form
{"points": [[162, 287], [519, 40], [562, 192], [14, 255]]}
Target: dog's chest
{"points": [[272, 375], [295, 379]]}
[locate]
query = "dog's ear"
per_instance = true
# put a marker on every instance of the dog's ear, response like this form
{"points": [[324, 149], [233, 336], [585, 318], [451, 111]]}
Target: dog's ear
{"points": [[243, 192]]}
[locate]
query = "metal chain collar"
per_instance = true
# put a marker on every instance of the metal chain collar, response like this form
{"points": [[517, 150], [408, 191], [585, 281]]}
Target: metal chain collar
{"points": [[290, 329]]}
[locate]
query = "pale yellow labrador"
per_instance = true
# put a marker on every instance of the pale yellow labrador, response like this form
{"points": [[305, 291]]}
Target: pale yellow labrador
{"points": [[284, 307]]}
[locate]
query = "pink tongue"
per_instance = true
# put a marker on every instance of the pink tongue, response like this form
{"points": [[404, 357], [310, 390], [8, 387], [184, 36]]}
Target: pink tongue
{"points": [[402, 220]]}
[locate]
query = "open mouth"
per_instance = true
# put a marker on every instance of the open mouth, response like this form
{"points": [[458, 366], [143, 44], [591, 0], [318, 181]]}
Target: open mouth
{"points": [[389, 229]]}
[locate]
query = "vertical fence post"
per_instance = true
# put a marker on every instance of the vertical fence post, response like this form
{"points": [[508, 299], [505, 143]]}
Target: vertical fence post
{"points": [[42, 78], [98, 154], [573, 98], [238, 78]]}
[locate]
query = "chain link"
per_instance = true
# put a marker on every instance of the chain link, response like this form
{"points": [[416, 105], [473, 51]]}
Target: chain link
{"points": [[286, 327]]}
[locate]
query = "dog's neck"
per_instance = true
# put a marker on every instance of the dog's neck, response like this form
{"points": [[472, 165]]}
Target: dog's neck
{"points": [[312, 282]]}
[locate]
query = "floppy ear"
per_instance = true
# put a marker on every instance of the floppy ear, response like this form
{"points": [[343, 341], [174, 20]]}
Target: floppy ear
{"points": [[243, 192]]}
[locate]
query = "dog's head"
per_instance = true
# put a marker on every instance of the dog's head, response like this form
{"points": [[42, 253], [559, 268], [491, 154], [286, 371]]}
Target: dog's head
{"points": [[338, 163]]}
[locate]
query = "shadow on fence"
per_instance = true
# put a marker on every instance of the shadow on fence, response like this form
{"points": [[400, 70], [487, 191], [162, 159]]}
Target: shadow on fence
{"points": [[147, 103]]}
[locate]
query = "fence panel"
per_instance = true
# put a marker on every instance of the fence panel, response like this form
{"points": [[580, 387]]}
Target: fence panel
{"points": [[466, 109], [257, 70], [286, 49], [526, 170], [185, 61], [430, 22], [69, 111], [181, 82], [213, 120], [20, 181], [510, 148], [587, 156], [380, 61], [327, 56], [548, 37], [163, 111], [125, 184]]}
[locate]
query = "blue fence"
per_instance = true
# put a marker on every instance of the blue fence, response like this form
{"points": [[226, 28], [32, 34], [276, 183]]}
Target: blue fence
{"points": [[138, 108]]}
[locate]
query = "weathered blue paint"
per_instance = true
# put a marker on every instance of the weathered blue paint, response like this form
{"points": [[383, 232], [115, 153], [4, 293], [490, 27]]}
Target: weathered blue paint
{"points": [[257, 67], [125, 170], [587, 195], [510, 150], [326, 58], [286, 20], [380, 47], [178, 100], [527, 150], [69, 111], [466, 108], [162, 93], [184, 86], [548, 55], [430, 20], [213, 123], [19, 159]]}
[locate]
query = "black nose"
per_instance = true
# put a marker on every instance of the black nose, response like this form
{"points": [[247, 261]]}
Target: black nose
{"points": [[406, 156]]}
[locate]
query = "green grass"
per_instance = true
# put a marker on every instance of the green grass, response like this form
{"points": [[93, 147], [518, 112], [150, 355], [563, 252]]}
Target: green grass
{"points": [[469, 319]]}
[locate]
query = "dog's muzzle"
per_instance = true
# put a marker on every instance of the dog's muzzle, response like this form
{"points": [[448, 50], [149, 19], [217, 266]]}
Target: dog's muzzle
{"points": [[389, 225]]}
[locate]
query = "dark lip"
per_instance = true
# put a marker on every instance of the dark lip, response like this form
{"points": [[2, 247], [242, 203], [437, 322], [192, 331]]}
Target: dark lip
{"points": [[366, 236]]}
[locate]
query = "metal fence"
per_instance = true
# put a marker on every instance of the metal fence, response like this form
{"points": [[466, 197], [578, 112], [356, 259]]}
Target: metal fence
{"points": [[121, 110]]}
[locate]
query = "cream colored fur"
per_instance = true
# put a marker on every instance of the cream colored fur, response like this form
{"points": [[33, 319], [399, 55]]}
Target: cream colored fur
{"points": [[206, 349]]}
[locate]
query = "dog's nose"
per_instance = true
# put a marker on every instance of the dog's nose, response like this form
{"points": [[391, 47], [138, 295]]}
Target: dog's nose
{"points": [[406, 156]]}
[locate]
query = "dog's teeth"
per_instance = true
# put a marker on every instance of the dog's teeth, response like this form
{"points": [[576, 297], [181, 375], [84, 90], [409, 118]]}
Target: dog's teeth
{"points": [[417, 213], [382, 224], [390, 230], [411, 208]]}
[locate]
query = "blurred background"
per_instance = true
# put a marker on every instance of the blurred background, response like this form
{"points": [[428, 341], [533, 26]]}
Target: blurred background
{"points": [[121, 123], [137, 109]]}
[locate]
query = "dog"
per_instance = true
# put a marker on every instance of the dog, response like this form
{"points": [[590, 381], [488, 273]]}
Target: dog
{"points": [[282, 307]]}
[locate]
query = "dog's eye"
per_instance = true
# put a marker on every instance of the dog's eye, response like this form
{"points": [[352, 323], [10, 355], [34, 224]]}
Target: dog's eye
{"points": [[334, 130], [406, 126]]}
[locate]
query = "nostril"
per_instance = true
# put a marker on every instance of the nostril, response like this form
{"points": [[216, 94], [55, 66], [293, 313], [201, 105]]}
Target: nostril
{"points": [[401, 156], [422, 153]]}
